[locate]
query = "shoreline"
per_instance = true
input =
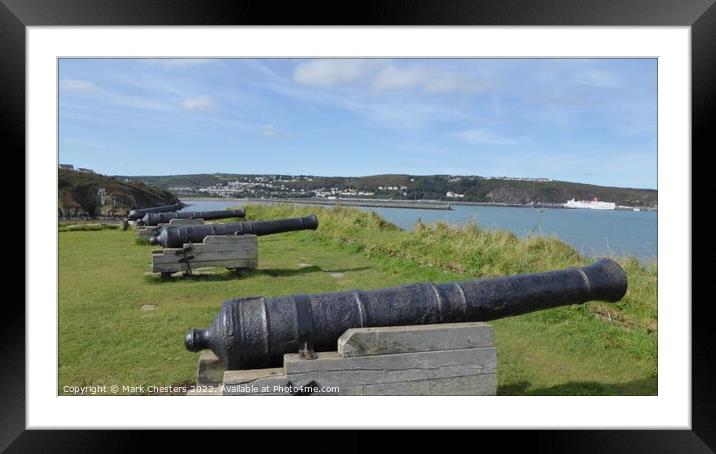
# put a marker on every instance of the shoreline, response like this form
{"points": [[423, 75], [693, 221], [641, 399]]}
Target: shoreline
{"points": [[388, 203], [379, 203]]}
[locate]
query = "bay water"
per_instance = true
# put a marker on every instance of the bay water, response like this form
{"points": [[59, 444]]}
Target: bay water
{"points": [[592, 232]]}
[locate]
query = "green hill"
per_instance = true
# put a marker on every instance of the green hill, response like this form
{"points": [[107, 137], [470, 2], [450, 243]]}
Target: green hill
{"points": [[410, 187], [89, 194]]}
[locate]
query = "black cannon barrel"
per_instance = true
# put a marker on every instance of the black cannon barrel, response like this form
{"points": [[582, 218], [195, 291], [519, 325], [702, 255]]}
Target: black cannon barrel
{"points": [[256, 332], [174, 236], [150, 219], [138, 213]]}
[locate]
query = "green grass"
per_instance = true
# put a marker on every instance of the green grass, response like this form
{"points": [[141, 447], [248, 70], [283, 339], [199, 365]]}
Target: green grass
{"points": [[85, 226], [107, 337]]}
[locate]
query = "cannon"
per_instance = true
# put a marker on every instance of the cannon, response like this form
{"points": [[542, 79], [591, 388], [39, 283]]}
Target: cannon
{"points": [[171, 237], [138, 213], [153, 219], [256, 332]]}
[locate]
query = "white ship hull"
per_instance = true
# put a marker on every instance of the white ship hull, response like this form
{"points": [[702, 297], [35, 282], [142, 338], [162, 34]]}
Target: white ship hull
{"points": [[591, 205]]}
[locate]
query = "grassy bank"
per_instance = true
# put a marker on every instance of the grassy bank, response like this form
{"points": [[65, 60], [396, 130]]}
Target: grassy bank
{"points": [[75, 226], [119, 325]]}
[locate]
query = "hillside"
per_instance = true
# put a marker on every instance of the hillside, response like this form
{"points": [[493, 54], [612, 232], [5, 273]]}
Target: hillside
{"points": [[410, 187], [89, 194]]}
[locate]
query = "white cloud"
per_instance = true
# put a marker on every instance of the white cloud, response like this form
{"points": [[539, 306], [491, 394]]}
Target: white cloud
{"points": [[598, 78], [429, 80], [77, 85], [396, 78], [477, 137], [197, 103], [333, 72], [386, 76], [103, 96], [388, 112]]}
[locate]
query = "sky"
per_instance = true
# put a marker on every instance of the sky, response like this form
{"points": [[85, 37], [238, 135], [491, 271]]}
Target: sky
{"points": [[584, 120]]}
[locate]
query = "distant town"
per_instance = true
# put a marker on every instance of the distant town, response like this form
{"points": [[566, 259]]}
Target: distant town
{"points": [[504, 190], [277, 186]]}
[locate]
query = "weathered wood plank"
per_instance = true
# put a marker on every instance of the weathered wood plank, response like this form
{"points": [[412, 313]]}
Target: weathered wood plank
{"points": [[215, 251], [449, 372], [331, 368], [174, 267], [167, 251], [467, 385], [223, 239], [236, 377], [199, 256], [390, 340], [210, 370], [266, 386]]}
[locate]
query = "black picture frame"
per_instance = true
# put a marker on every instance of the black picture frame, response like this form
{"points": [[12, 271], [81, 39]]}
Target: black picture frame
{"points": [[700, 15]]}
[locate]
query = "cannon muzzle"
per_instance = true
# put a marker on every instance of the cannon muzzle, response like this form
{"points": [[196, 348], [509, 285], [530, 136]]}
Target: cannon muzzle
{"points": [[163, 218], [256, 332], [175, 236]]}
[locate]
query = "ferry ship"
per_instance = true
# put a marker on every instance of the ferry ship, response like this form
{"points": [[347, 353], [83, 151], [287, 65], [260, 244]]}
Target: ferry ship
{"points": [[594, 204]]}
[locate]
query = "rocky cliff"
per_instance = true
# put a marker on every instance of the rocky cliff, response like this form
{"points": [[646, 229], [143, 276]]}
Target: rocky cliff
{"points": [[88, 194]]}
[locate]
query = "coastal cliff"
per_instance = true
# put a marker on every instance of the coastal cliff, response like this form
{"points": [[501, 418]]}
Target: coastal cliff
{"points": [[89, 194]]}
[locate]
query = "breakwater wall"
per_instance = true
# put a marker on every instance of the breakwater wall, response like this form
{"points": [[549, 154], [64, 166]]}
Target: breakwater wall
{"points": [[422, 205]]}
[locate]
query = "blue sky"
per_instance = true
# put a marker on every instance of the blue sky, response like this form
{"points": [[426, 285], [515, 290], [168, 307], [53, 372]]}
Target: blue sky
{"points": [[584, 120]]}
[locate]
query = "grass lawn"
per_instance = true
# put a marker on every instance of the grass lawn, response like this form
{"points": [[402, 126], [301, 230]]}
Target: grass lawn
{"points": [[120, 325]]}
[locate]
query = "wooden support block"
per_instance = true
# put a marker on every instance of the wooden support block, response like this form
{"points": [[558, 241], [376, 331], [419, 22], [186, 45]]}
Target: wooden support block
{"points": [[449, 359], [209, 375], [176, 267], [332, 369], [224, 239], [235, 252], [210, 370], [248, 246], [466, 385], [388, 340], [161, 259]]}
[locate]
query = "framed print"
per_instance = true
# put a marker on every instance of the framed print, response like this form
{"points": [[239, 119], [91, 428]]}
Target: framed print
{"points": [[441, 169]]}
